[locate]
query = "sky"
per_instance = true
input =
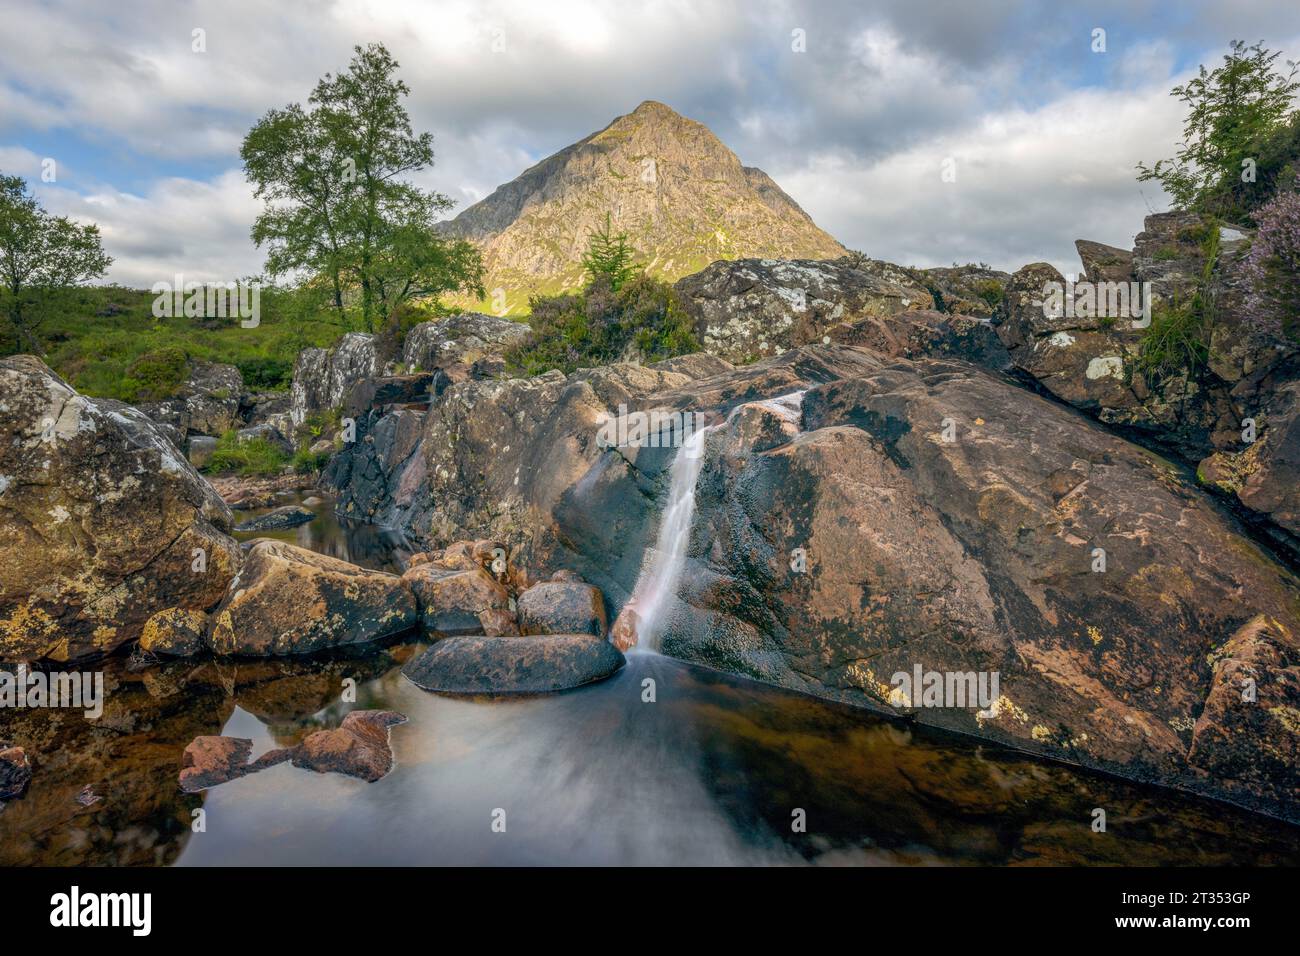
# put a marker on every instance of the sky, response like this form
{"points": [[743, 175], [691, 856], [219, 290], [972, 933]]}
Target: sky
{"points": [[854, 107]]}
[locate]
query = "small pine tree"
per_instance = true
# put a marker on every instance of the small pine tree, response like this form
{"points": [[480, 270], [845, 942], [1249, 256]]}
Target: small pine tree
{"points": [[608, 254]]}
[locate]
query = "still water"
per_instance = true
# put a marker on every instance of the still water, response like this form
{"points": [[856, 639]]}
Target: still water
{"points": [[716, 770]]}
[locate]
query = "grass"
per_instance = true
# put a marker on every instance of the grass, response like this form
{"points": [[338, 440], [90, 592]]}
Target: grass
{"points": [[106, 342], [1178, 340], [253, 456]]}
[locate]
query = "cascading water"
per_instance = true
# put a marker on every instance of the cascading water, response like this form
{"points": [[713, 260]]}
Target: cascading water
{"points": [[657, 585], [642, 619]]}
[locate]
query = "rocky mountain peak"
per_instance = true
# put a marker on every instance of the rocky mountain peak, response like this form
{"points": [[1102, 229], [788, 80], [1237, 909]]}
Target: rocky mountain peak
{"points": [[684, 199]]}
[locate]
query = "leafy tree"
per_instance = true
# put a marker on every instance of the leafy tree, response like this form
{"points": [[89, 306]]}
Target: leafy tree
{"points": [[337, 205], [608, 254], [1232, 112], [40, 254]]}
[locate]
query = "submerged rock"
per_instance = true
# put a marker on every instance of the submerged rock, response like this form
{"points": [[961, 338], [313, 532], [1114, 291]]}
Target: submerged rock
{"points": [[537, 664], [288, 516], [358, 747], [102, 521], [288, 600]]}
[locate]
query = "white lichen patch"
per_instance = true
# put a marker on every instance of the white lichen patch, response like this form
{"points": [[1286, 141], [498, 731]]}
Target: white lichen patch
{"points": [[1105, 365]]}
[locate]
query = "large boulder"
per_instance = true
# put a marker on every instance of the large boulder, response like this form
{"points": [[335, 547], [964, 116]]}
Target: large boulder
{"points": [[277, 519], [322, 377], [102, 521], [208, 403], [932, 516], [562, 607], [288, 600], [538, 664], [754, 308], [459, 340], [450, 601]]}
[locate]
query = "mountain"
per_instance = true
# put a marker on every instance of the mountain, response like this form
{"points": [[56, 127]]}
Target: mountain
{"points": [[682, 197]]}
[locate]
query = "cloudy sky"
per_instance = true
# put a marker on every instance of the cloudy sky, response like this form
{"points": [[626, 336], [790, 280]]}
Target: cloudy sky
{"points": [[1043, 132]]}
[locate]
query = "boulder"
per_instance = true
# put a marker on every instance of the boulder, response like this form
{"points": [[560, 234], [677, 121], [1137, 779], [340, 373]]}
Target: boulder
{"points": [[288, 600], [971, 290], [208, 403], [499, 622], [930, 515], [210, 761], [562, 607], [175, 632], [450, 601], [358, 747], [753, 308], [538, 664], [102, 521], [923, 333], [286, 516], [1103, 263], [15, 771], [322, 377], [459, 340]]}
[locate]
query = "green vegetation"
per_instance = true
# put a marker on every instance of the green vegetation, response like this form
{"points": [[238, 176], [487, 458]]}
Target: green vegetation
{"points": [[252, 456], [105, 341], [1241, 137], [642, 320], [608, 256], [991, 291], [40, 256], [337, 206], [1178, 339]]}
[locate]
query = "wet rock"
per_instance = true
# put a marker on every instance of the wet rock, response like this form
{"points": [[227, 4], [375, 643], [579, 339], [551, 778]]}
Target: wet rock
{"points": [[288, 600], [102, 521], [175, 632], [450, 601], [499, 622], [359, 747], [751, 308], [562, 607], [536, 664], [15, 771], [288, 516], [211, 761]]}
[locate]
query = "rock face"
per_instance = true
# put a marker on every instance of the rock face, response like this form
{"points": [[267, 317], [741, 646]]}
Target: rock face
{"points": [[287, 600], [459, 340], [949, 520], [562, 607], [928, 333], [754, 308], [102, 521], [287, 516], [175, 632], [321, 377], [683, 198], [537, 664]]}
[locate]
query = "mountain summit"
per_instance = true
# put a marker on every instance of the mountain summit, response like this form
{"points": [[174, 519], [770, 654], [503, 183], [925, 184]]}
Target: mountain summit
{"points": [[683, 198]]}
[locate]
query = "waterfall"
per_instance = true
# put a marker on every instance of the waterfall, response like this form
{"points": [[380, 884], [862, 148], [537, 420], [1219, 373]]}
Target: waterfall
{"points": [[641, 621], [657, 585]]}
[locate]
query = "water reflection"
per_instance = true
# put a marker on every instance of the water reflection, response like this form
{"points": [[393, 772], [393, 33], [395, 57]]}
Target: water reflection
{"points": [[353, 541]]}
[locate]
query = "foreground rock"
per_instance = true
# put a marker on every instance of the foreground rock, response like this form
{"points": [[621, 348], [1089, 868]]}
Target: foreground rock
{"points": [[358, 747], [954, 548], [537, 664], [15, 771], [287, 600], [102, 521], [287, 516], [562, 607]]}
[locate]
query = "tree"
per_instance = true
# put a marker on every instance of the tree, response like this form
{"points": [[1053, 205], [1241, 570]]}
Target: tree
{"points": [[39, 255], [608, 255], [337, 205], [1233, 110]]}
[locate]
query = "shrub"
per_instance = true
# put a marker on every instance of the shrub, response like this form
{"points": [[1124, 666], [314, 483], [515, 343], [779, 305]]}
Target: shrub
{"points": [[252, 456], [641, 320], [1272, 268], [266, 374], [306, 461], [156, 375]]}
